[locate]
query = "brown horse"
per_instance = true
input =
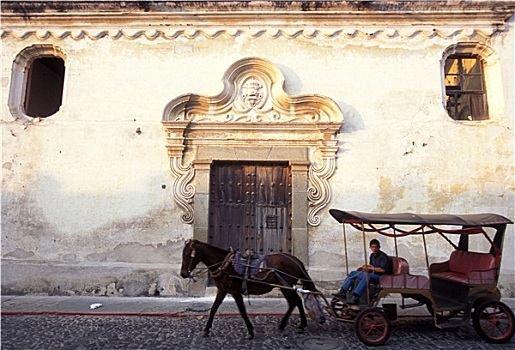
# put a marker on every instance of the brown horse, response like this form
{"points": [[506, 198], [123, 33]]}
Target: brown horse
{"points": [[282, 270]]}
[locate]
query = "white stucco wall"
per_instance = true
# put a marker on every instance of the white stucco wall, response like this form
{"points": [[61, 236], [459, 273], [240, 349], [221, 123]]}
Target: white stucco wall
{"points": [[86, 199]]}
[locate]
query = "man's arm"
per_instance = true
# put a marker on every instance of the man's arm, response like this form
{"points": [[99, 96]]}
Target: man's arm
{"points": [[375, 269]]}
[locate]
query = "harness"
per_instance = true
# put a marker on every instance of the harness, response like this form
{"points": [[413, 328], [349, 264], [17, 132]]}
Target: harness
{"points": [[224, 265], [191, 245], [251, 266]]}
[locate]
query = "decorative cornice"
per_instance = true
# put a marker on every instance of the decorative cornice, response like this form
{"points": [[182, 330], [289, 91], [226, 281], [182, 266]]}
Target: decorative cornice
{"points": [[387, 35], [188, 12], [169, 20]]}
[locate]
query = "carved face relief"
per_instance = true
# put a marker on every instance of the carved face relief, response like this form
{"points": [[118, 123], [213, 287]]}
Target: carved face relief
{"points": [[252, 92]]}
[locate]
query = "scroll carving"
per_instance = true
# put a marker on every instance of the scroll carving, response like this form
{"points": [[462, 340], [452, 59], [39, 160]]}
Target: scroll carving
{"points": [[183, 190], [319, 190]]}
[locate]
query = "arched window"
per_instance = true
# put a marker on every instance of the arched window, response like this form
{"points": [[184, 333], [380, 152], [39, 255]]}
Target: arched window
{"points": [[44, 91], [469, 76], [465, 88], [37, 82]]}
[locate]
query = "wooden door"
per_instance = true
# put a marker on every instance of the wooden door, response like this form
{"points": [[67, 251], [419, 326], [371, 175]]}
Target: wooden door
{"points": [[250, 206]]}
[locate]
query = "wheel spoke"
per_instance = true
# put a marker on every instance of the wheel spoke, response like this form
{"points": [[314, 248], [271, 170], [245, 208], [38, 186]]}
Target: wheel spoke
{"points": [[373, 327], [495, 322]]}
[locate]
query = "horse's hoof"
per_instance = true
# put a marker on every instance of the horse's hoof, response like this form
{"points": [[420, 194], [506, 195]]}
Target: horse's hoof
{"points": [[249, 337], [205, 334], [300, 330]]}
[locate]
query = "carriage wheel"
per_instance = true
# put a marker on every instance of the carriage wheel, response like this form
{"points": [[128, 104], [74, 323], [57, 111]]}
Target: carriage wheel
{"points": [[494, 321], [341, 309], [372, 326]]}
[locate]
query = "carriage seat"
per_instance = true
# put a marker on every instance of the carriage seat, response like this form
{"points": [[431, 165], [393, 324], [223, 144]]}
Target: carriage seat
{"points": [[401, 278], [468, 268]]}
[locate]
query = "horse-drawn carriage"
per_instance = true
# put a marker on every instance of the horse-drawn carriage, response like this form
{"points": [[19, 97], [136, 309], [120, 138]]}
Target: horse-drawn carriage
{"points": [[462, 288], [455, 291]]}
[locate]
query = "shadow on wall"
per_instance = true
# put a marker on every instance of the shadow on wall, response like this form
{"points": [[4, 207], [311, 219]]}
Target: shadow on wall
{"points": [[90, 212], [353, 119], [125, 255], [292, 84]]}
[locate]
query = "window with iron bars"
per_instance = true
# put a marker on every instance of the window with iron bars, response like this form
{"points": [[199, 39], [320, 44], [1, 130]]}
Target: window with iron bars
{"points": [[465, 88]]}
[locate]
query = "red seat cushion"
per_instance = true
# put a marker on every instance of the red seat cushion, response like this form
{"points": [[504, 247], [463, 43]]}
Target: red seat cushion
{"points": [[401, 278], [465, 262], [399, 265], [404, 281], [469, 268]]}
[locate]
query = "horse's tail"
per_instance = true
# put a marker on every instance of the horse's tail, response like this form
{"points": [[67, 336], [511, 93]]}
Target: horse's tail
{"points": [[307, 282]]}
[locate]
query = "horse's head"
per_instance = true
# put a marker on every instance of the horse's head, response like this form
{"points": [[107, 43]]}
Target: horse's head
{"points": [[189, 261]]}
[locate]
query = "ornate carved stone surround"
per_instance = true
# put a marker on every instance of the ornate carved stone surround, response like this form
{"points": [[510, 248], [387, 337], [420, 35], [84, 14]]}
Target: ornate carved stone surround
{"points": [[253, 119]]}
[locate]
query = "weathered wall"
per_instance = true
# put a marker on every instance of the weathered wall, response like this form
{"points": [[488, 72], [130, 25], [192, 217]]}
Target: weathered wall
{"points": [[86, 202], [401, 152]]}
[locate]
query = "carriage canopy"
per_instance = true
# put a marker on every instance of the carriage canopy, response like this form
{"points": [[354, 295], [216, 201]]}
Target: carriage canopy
{"points": [[468, 220], [404, 224]]}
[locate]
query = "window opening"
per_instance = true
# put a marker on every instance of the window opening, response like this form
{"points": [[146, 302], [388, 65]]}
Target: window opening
{"points": [[44, 88], [465, 88]]}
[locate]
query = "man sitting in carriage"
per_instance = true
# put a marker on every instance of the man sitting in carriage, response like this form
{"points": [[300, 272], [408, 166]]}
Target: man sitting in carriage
{"points": [[378, 265]]}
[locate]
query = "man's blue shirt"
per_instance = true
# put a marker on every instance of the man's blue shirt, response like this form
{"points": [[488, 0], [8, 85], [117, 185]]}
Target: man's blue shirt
{"points": [[379, 260]]}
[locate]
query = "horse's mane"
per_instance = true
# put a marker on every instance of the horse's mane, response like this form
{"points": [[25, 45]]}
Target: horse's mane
{"points": [[213, 248]]}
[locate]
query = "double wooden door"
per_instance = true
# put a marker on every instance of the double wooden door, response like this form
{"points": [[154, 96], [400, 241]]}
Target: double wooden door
{"points": [[250, 206]]}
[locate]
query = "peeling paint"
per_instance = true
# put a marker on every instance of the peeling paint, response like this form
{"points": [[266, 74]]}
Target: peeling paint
{"points": [[19, 254], [389, 195]]}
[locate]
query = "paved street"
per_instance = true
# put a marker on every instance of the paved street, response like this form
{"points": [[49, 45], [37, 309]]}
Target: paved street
{"points": [[133, 332], [181, 330]]}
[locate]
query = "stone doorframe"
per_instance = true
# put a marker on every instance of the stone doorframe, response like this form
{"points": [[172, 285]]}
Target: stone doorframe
{"points": [[253, 119]]}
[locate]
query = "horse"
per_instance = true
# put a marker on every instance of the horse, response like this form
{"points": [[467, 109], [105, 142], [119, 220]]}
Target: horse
{"points": [[283, 271]]}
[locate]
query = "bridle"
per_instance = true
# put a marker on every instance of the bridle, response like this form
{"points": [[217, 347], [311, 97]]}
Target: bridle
{"points": [[191, 244]]}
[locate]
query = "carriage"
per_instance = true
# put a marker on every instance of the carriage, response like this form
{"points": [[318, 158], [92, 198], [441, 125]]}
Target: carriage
{"points": [[461, 288], [454, 291]]}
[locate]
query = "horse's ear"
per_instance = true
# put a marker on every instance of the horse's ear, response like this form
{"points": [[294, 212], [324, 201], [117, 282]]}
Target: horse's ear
{"points": [[187, 242]]}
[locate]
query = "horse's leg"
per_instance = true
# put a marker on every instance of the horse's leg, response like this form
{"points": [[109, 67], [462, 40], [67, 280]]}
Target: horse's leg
{"points": [[238, 298], [300, 306], [291, 305], [220, 296], [293, 301]]}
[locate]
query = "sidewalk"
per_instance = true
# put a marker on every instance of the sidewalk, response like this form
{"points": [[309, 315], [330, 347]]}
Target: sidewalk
{"points": [[158, 306], [137, 306]]}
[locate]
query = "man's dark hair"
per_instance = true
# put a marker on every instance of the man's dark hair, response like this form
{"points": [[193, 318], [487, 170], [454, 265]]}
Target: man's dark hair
{"points": [[375, 242]]}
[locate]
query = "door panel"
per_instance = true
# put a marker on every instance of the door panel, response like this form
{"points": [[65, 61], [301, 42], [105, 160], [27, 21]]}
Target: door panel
{"points": [[250, 206]]}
